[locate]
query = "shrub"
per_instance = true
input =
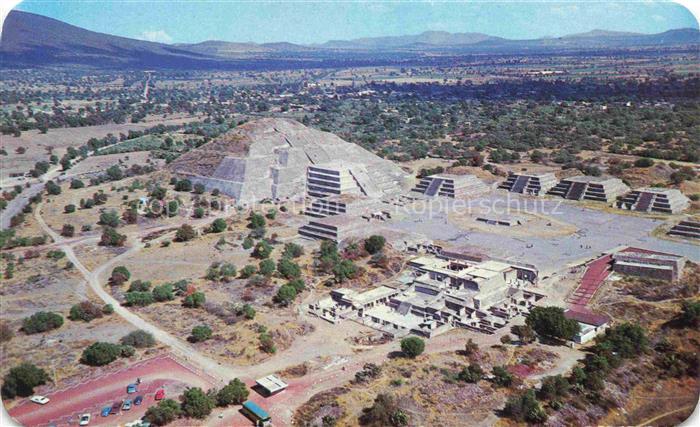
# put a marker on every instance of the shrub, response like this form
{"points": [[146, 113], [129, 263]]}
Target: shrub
{"points": [[76, 183], [139, 286], [183, 185], [374, 244], [384, 412], [166, 411], [107, 309], [199, 188], [109, 218], [195, 403], [21, 380], [690, 313], [266, 267], [101, 353], [41, 321], [262, 250], [235, 392], [185, 233], [110, 237], [524, 333], [525, 407], [163, 293], [292, 250], [471, 373], [553, 388], [271, 214], [127, 351], [285, 295], [195, 300], [68, 230], [219, 225], [551, 322], [248, 243], [501, 376], [69, 208], [138, 339], [298, 285], [288, 269], [247, 311], [140, 299], [119, 276], [85, 311], [643, 162], [199, 212], [256, 221], [248, 271], [200, 333], [6, 332], [625, 340], [267, 344], [52, 188], [412, 346]]}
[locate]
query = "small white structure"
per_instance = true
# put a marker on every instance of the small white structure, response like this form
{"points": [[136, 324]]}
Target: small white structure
{"points": [[591, 324], [271, 384]]}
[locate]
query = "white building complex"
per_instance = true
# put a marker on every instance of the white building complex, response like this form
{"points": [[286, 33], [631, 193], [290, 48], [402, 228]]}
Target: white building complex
{"points": [[662, 200], [532, 184], [595, 188], [438, 293]]}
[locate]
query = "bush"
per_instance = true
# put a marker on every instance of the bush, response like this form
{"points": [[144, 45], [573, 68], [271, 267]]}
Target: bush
{"points": [[163, 293], [551, 322], [235, 392], [256, 221], [285, 295], [690, 313], [501, 376], [525, 407], [185, 233], [140, 299], [76, 183], [166, 411], [218, 226], [248, 271], [525, 333], [248, 243], [267, 344], [384, 411], [412, 346], [471, 373], [553, 388], [199, 212], [195, 403], [625, 340], [52, 188], [288, 269], [138, 339], [262, 250], [247, 311], [643, 162], [200, 333], [110, 237], [195, 300], [127, 351], [6, 332], [109, 218], [69, 208], [85, 311], [119, 276], [266, 267], [298, 285], [139, 286], [41, 321], [292, 250], [344, 270], [21, 380], [183, 185], [107, 309], [101, 353], [199, 188], [374, 244], [68, 230]]}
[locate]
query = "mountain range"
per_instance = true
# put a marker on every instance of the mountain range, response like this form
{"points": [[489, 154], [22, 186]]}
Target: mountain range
{"points": [[34, 40]]}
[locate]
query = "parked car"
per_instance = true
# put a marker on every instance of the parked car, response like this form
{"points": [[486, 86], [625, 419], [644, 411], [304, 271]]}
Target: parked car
{"points": [[115, 407], [126, 405], [132, 388], [138, 400], [105, 411], [41, 400], [84, 419], [160, 394]]}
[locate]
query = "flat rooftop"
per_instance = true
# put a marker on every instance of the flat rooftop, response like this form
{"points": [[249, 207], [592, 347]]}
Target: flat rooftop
{"points": [[271, 383]]}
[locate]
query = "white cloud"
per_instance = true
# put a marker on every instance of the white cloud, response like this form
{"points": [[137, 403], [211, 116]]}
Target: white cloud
{"points": [[159, 36]]}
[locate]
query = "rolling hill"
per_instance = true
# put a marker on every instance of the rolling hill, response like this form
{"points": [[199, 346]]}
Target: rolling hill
{"points": [[34, 40]]}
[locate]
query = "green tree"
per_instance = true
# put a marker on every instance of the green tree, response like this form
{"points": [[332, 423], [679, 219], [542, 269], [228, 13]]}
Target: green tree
{"points": [[256, 221], [119, 276], [248, 271], [248, 243], [374, 244], [292, 250], [262, 250], [501, 376], [551, 322], [138, 339], [185, 233], [266, 267], [412, 346], [525, 333], [288, 269], [110, 218], [345, 270], [101, 353], [471, 374], [41, 321], [194, 300], [69, 208], [199, 212], [199, 188], [76, 183], [21, 380], [285, 295], [553, 388], [219, 225], [525, 407], [163, 292], [195, 403], [140, 299], [235, 392], [200, 333], [165, 412], [183, 185], [110, 237], [85, 311]]}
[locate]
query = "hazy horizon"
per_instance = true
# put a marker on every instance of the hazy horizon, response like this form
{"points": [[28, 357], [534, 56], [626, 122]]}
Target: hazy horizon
{"points": [[318, 22]]}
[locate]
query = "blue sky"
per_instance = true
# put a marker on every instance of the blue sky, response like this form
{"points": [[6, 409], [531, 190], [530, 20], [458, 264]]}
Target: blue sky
{"points": [[316, 22]]}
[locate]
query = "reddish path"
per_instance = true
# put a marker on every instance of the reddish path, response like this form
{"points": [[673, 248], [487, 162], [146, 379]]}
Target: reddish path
{"points": [[596, 273], [90, 396]]}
